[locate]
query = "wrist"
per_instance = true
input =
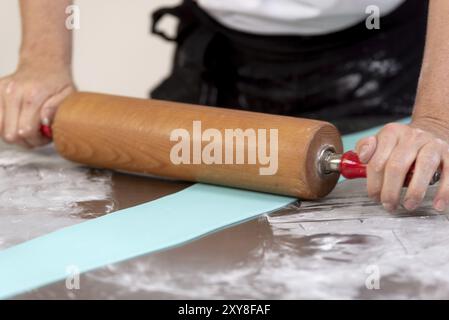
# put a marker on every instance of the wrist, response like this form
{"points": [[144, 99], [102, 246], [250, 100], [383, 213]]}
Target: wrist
{"points": [[42, 55], [435, 125], [44, 61]]}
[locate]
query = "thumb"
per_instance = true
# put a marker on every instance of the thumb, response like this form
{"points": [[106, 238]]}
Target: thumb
{"points": [[365, 148], [49, 108]]}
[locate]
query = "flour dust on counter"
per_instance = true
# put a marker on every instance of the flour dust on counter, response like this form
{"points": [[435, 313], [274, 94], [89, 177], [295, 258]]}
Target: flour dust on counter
{"points": [[41, 192], [342, 247]]}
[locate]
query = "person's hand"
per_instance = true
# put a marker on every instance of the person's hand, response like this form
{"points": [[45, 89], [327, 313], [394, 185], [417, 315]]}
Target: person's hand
{"points": [[389, 156], [30, 97]]}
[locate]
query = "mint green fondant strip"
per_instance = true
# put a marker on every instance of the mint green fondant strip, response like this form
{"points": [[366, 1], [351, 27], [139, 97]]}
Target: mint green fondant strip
{"points": [[157, 225]]}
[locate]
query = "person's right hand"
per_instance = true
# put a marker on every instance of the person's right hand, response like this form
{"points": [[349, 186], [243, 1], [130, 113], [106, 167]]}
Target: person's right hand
{"points": [[30, 97]]}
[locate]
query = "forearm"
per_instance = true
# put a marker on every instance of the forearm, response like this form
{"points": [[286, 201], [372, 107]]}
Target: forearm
{"points": [[432, 102], [44, 34]]}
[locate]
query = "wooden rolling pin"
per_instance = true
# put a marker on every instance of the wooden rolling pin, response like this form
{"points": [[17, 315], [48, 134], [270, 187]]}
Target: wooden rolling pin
{"points": [[136, 135]]}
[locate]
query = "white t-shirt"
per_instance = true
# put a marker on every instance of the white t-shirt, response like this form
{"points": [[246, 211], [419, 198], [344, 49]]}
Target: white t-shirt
{"points": [[300, 17]]}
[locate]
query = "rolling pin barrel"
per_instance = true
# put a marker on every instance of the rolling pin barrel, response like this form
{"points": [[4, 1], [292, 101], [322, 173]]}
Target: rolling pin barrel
{"points": [[138, 135]]}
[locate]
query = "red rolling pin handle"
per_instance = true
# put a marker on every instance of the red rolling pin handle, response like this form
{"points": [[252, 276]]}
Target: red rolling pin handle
{"points": [[352, 168], [46, 131]]}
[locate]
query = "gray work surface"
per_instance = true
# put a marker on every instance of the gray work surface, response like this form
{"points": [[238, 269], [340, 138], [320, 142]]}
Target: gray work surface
{"points": [[344, 246]]}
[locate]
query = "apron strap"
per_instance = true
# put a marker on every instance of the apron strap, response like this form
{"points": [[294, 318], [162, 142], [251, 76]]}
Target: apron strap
{"points": [[182, 12], [156, 18]]}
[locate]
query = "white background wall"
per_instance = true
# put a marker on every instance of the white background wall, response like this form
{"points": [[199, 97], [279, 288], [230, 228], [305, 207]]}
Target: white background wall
{"points": [[114, 51]]}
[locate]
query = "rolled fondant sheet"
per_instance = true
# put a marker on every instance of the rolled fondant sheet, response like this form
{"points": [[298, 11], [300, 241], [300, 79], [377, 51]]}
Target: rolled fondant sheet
{"points": [[164, 223]]}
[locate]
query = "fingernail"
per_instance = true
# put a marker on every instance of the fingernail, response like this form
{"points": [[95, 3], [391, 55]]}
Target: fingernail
{"points": [[410, 205], [440, 206], [45, 122], [363, 153], [389, 207]]}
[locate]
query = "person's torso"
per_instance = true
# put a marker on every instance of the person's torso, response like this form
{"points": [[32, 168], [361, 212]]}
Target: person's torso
{"points": [[300, 17]]}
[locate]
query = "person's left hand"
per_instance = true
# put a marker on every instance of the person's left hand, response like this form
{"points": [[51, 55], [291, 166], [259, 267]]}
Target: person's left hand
{"points": [[389, 156]]}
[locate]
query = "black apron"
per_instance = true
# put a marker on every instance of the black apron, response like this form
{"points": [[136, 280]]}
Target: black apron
{"points": [[355, 78]]}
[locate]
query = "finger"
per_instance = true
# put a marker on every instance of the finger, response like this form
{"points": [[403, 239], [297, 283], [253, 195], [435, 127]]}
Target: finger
{"points": [[398, 165], [48, 110], [441, 200], [12, 103], [386, 141], [29, 120], [365, 148], [396, 169], [427, 163]]}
